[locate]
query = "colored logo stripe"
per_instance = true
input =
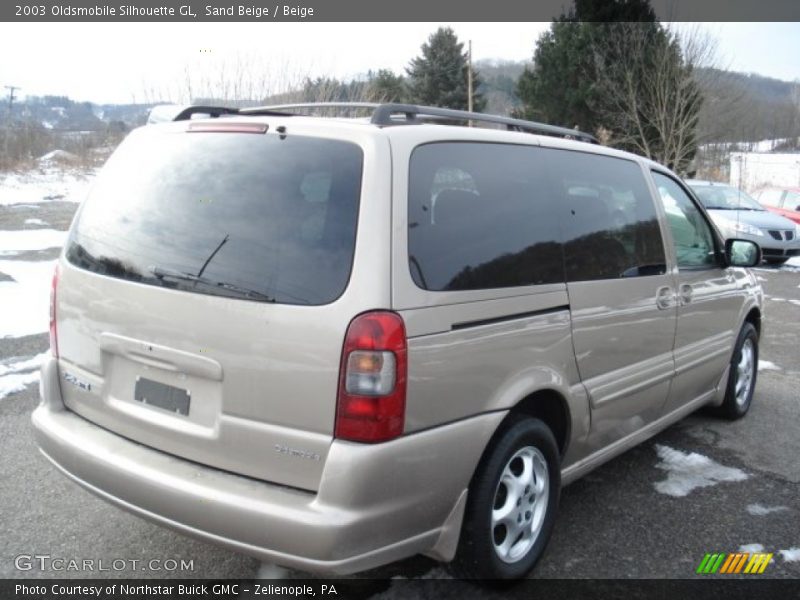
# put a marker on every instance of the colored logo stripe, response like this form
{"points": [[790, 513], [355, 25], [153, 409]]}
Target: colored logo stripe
{"points": [[734, 563]]}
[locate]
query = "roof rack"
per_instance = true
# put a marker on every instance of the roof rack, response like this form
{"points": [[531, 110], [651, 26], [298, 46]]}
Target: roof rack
{"points": [[212, 111], [218, 111], [387, 115]]}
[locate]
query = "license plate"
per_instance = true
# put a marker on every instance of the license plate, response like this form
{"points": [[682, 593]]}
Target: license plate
{"points": [[163, 396]]}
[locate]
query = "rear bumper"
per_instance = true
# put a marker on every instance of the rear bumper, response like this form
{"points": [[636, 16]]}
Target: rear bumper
{"points": [[375, 504]]}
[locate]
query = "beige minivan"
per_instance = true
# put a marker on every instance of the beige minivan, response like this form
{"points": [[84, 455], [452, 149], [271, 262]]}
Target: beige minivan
{"points": [[333, 343]]}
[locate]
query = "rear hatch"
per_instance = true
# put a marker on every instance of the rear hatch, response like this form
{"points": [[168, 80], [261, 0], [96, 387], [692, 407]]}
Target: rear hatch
{"points": [[201, 303]]}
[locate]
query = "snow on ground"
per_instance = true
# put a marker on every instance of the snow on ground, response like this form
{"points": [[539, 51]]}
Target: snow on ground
{"points": [[14, 376], [14, 242], [765, 365], [34, 222], [791, 555], [751, 548], [44, 185], [793, 262], [8, 366], [26, 300], [688, 471], [16, 382], [759, 510]]}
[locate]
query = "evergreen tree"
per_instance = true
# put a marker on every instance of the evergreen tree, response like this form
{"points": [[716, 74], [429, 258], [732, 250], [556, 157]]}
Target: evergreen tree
{"points": [[385, 86], [438, 77], [613, 69]]}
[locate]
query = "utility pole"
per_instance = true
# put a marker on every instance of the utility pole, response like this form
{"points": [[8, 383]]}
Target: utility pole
{"points": [[469, 78], [11, 89]]}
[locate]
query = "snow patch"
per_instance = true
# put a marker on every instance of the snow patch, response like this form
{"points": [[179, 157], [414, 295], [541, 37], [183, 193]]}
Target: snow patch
{"points": [[774, 299], [28, 364], [44, 185], [13, 242], [751, 548], [34, 222], [791, 555], [793, 262], [271, 571], [16, 382], [26, 300], [760, 511], [688, 471], [765, 365]]}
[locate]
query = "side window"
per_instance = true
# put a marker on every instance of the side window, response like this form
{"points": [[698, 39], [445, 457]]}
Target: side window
{"points": [[691, 234], [770, 197], [479, 216], [608, 217]]}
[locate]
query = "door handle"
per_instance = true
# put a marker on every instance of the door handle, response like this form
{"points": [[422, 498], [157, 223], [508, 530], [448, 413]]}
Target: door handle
{"points": [[685, 294], [664, 297]]}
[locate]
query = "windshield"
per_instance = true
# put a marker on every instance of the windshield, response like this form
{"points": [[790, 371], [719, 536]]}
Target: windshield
{"points": [[724, 197], [242, 215]]}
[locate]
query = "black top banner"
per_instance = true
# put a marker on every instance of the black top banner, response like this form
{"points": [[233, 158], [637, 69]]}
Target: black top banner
{"points": [[371, 10]]}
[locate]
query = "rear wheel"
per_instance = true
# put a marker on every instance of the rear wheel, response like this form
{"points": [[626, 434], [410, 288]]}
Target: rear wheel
{"points": [[742, 375], [512, 503]]}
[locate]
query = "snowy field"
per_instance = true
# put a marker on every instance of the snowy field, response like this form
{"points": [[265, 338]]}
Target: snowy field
{"points": [[27, 261]]}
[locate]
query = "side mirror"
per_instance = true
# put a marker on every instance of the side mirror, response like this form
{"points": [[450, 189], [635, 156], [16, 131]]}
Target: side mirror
{"points": [[742, 253]]}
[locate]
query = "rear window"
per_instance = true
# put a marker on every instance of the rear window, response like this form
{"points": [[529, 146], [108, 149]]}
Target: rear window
{"points": [[259, 217]]}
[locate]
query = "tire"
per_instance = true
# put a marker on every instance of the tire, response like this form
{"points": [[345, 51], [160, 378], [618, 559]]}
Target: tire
{"points": [[742, 375], [522, 462], [775, 261]]}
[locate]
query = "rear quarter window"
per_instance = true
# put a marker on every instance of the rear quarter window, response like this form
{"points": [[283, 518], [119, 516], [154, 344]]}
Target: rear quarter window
{"points": [[480, 217]]}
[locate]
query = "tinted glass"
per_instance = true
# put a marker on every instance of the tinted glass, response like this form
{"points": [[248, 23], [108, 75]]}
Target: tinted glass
{"points": [[609, 219], [691, 234], [243, 215], [480, 217]]}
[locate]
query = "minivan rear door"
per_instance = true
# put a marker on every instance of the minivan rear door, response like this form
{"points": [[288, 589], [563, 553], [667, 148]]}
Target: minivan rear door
{"points": [[620, 292], [204, 292]]}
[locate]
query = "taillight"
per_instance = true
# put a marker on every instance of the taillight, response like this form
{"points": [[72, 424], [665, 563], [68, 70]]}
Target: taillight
{"points": [[53, 329], [372, 381]]}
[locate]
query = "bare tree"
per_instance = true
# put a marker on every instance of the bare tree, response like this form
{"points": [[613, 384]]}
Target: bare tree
{"points": [[648, 97]]}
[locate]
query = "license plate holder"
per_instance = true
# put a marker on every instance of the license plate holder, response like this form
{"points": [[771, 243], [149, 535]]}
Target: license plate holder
{"points": [[163, 396]]}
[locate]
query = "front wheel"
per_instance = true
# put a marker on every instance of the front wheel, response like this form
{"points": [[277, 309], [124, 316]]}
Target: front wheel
{"points": [[512, 504], [742, 375]]}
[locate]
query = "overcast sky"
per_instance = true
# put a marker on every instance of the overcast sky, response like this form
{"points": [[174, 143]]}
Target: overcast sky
{"points": [[123, 62]]}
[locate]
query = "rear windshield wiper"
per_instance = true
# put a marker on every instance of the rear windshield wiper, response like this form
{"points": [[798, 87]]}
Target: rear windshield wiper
{"points": [[162, 273]]}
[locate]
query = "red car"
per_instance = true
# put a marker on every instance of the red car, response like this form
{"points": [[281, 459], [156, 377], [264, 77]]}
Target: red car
{"points": [[782, 200]]}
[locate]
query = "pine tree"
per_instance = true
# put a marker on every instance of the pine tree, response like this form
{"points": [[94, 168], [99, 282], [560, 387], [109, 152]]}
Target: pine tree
{"points": [[385, 86], [613, 68], [438, 77]]}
